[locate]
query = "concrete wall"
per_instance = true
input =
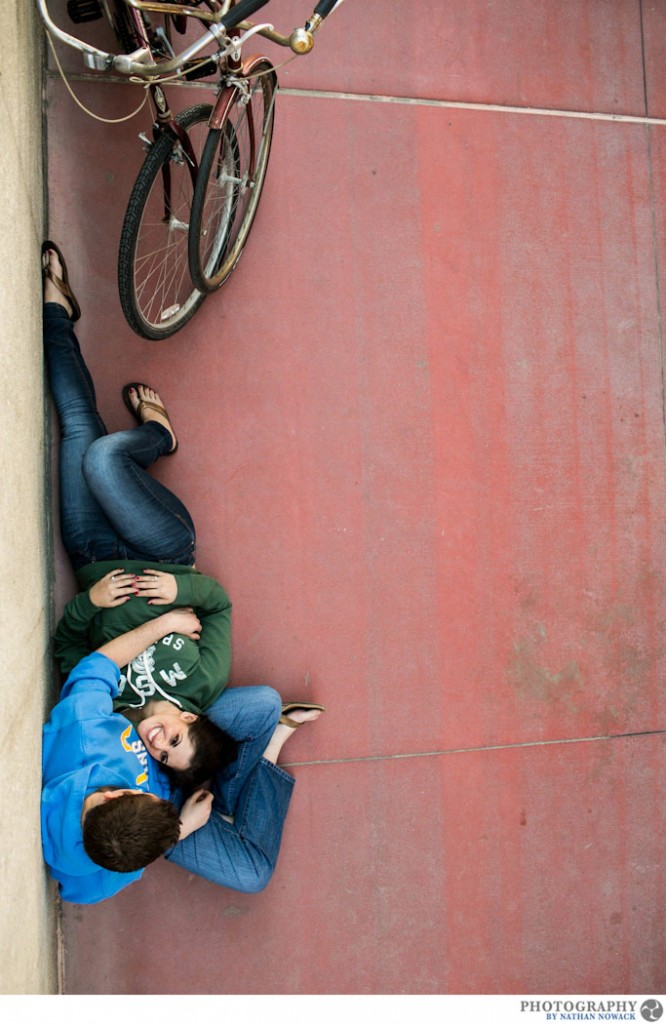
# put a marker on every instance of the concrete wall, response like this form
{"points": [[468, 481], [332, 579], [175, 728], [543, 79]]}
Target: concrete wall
{"points": [[29, 905]]}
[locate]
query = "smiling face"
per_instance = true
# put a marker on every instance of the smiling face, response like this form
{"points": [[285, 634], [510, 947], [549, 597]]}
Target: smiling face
{"points": [[165, 734]]}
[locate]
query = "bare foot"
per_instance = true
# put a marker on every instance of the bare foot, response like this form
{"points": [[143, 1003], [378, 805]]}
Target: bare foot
{"points": [[139, 397], [283, 732], [52, 293]]}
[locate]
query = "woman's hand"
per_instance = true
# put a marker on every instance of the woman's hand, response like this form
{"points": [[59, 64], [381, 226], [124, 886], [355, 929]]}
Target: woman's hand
{"points": [[158, 587], [195, 812], [181, 620], [113, 589]]}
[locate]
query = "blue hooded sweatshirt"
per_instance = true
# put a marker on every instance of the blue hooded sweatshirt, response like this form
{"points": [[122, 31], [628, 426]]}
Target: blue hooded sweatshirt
{"points": [[86, 745]]}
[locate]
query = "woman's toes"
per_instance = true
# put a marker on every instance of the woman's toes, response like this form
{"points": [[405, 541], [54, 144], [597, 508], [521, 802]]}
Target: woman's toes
{"points": [[148, 395], [134, 398], [50, 259]]}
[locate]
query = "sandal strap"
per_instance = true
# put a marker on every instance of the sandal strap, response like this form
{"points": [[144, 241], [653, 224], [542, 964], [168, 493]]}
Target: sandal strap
{"points": [[297, 705], [61, 285], [290, 722], [145, 404]]}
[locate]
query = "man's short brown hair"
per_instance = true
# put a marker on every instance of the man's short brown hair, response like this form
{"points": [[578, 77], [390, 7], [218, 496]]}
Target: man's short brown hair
{"points": [[130, 831]]}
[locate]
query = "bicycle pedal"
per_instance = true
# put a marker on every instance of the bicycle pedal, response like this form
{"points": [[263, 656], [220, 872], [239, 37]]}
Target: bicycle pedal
{"points": [[81, 11]]}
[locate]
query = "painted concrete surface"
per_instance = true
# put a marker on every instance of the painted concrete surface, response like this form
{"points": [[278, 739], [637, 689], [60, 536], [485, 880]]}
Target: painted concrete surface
{"points": [[28, 929], [421, 434]]}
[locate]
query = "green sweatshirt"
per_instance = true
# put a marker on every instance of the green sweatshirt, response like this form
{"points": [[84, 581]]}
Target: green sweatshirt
{"points": [[189, 673]]}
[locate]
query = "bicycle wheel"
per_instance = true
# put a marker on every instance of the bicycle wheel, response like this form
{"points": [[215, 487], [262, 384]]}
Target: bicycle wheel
{"points": [[156, 292], [231, 177]]}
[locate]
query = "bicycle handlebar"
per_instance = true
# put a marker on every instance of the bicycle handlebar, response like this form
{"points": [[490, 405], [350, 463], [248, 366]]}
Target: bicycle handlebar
{"points": [[141, 64], [242, 10], [324, 8]]}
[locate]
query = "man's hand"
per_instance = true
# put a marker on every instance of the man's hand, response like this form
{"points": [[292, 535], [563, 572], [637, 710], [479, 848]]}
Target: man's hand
{"points": [[158, 587], [124, 648], [180, 620], [195, 812], [113, 589]]}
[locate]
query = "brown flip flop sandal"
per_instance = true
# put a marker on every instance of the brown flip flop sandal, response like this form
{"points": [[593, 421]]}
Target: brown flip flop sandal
{"points": [[62, 284], [145, 404], [297, 705]]}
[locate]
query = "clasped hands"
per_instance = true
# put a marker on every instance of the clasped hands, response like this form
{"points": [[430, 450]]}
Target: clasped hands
{"points": [[119, 586]]}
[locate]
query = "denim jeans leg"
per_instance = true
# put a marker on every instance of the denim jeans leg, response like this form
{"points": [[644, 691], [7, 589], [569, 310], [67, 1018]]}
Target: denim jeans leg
{"points": [[242, 855], [249, 714], [154, 524], [86, 532]]}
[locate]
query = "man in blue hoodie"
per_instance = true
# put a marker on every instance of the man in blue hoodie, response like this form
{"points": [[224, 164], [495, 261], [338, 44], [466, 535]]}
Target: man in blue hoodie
{"points": [[92, 757], [93, 761], [75, 781]]}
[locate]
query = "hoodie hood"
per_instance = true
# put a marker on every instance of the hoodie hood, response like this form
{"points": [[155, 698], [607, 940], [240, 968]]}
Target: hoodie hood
{"points": [[62, 806], [79, 878]]}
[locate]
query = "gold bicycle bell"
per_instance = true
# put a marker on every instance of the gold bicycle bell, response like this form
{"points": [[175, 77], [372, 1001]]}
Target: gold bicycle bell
{"points": [[301, 41]]}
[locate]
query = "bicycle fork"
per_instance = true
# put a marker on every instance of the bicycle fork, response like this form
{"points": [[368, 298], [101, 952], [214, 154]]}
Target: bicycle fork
{"points": [[165, 122]]}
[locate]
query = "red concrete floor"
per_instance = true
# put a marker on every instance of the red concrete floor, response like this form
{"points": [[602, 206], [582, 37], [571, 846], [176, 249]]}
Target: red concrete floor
{"points": [[422, 435]]}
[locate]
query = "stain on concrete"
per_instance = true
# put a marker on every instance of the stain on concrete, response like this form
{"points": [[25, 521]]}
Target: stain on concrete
{"points": [[533, 681], [233, 910]]}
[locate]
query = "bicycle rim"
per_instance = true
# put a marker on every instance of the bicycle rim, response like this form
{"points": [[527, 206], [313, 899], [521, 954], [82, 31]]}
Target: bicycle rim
{"points": [[231, 178], [156, 292]]}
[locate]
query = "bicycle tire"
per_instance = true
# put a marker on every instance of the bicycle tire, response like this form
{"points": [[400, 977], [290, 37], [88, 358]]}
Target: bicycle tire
{"points": [[156, 292], [231, 178]]}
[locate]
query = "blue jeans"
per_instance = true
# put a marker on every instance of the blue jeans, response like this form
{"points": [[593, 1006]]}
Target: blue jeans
{"points": [[110, 507], [254, 791]]}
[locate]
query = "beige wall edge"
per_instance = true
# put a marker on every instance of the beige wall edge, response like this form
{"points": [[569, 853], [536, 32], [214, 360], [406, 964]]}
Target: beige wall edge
{"points": [[28, 944]]}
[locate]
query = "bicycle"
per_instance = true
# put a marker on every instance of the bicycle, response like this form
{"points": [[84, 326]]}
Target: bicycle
{"points": [[195, 198]]}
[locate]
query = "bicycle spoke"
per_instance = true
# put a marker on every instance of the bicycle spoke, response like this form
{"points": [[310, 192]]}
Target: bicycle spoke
{"points": [[156, 291]]}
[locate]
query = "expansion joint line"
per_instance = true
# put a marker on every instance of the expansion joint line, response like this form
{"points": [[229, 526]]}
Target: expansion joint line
{"points": [[358, 97], [476, 750], [492, 107]]}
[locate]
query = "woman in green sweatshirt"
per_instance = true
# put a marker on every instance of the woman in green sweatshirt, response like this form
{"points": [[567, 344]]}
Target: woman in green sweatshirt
{"points": [[176, 678], [132, 544]]}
